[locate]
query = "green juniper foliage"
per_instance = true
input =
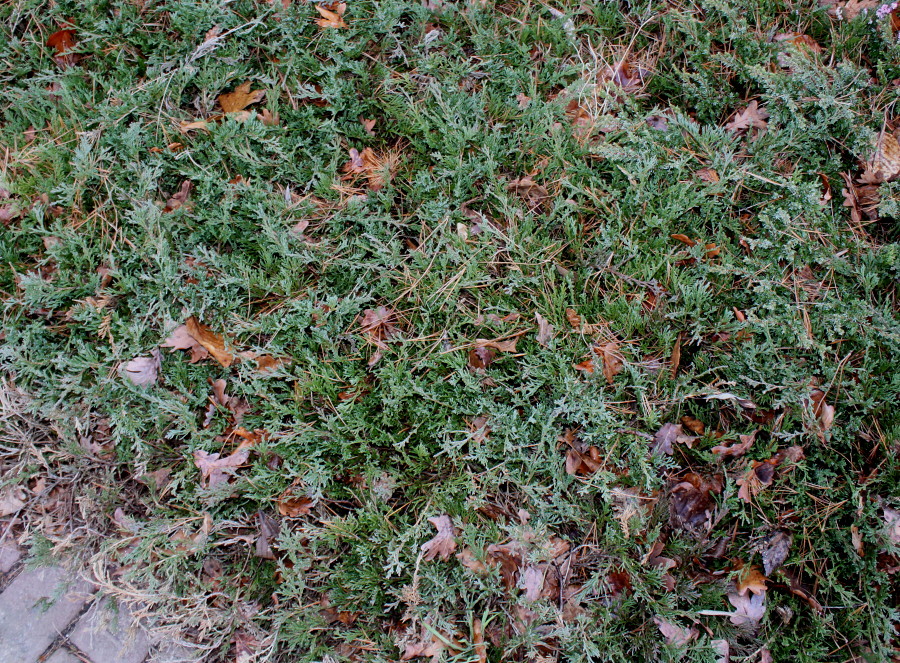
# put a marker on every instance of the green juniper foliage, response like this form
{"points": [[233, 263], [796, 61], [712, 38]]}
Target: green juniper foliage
{"points": [[781, 294]]}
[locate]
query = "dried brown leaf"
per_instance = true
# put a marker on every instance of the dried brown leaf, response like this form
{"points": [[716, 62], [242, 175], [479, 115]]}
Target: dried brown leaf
{"points": [[212, 342], [528, 190], [892, 520], [612, 360], [178, 199], [215, 470], [144, 371], [240, 98], [545, 330], [675, 635], [751, 117], [267, 531], [181, 339], [332, 14], [751, 580], [444, 542], [736, 448], [774, 550], [749, 608], [63, 41]]}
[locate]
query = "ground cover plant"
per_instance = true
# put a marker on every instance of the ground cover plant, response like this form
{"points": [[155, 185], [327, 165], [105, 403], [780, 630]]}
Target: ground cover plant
{"points": [[466, 331]]}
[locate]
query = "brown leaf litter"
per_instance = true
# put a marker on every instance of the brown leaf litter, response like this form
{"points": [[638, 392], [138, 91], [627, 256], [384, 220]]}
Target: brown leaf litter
{"points": [[201, 341]]}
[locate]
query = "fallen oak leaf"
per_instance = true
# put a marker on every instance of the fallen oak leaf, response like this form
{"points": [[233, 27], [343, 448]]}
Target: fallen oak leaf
{"points": [[236, 406], [332, 14], [690, 502], [502, 346], [587, 366], [612, 360], [63, 41], [216, 470], [200, 340], [444, 542], [196, 125], [178, 199], [528, 190], [774, 550], [751, 580], [181, 339], [545, 330], [675, 635], [144, 371], [292, 504], [823, 412], [736, 448], [758, 475], [240, 98], [214, 343], [749, 608], [749, 118], [669, 434], [892, 521]]}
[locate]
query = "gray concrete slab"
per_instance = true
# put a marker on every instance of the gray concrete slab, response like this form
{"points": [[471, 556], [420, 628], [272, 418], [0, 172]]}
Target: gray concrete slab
{"points": [[105, 633], [10, 553], [63, 656], [34, 609]]}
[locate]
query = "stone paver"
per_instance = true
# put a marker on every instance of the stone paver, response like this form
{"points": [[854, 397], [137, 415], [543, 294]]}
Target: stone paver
{"points": [[173, 653], [63, 656], [32, 613], [10, 553], [107, 635]]}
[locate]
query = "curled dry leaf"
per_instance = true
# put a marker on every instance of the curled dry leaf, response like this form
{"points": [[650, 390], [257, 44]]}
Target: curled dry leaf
{"points": [[630, 79], [675, 635], [736, 448], [690, 502], [12, 499], [823, 412], [237, 407], [693, 424], [723, 649], [884, 163], [63, 41], [427, 643], [444, 542], [293, 503], [751, 117], [892, 520], [670, 434], [243, 96], [587, 366], [707, 175], [745, 403], [612, 360], [178, 199], [181, 339], [332, 14], [774, 550], [758, 475], [508, 345], [214, 343], [267, 531], [749, 608], [215, 470], [545, 330], [528, 190], [144, 371], [751, 580]]}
